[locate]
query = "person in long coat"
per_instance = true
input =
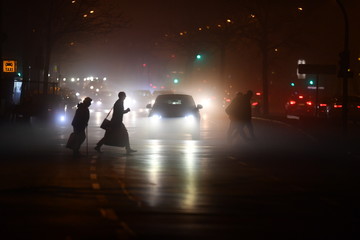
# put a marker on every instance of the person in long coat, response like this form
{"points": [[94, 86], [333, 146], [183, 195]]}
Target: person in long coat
{"points": [[235, 111], [79, 123], [117, 134]]}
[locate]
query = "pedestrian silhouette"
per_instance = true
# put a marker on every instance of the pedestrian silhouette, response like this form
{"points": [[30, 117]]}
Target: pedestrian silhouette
{"points": [[248, 114], [79, 123], [239, 112], [117, 134]]}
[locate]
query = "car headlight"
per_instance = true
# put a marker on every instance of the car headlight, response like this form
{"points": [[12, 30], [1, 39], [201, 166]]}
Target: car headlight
{"points": [[156, 116], [190, 117], [61, 118]]}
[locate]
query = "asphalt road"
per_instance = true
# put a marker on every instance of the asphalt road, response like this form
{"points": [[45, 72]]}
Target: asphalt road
{"points": [[297, 180]]}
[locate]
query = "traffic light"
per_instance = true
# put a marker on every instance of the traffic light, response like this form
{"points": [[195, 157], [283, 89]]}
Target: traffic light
{"points": [[198, 57], [311, 82], [176, 80], [292, 84]]}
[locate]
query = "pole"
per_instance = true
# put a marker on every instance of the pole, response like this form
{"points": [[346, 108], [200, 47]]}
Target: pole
{"points": [[317, 96], [346, 66]]}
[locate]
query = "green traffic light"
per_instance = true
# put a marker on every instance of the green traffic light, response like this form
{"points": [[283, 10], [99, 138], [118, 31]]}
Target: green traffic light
{"points": [[176, 80], [311, 82], [292, 84], [198, 57]]}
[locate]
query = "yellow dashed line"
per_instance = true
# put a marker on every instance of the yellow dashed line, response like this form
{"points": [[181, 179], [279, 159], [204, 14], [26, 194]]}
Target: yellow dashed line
{"points": [[108, 213], [96, 186], [127, 228]]}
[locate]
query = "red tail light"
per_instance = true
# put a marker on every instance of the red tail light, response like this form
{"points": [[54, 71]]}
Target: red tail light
{"points": [[301, 96], [309, 103], [322, 104], [292, 102], [358, 106], [255, 104], [337, 106]]}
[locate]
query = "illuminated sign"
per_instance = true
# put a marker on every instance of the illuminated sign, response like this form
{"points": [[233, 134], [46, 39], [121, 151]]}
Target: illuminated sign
{"points": [[9, 66]]}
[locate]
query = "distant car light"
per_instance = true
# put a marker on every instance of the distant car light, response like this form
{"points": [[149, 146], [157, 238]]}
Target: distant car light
{"points": [[309, 103], [292, 102]]}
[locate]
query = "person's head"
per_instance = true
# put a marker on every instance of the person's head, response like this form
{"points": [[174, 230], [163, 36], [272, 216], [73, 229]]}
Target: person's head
{"points": [[87, 101], [122, 95], [249, 93]]}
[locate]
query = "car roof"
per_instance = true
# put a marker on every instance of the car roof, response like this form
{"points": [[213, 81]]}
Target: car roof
{"points": [[175, 95], [183, 97]]}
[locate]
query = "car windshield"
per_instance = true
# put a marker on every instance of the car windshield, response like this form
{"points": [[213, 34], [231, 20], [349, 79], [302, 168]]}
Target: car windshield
{"points": [[177, 100]]}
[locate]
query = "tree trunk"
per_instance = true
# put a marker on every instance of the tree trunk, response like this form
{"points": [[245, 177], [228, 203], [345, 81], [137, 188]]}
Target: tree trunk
{"points": [[47, 49]]}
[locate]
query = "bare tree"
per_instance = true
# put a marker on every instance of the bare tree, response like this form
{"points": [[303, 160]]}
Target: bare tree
{"points": [[273, 24]]}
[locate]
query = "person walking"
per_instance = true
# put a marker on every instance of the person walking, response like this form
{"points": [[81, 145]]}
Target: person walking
{"points": [[79, 123], [117, 134], [235, 111], [247, 115]]}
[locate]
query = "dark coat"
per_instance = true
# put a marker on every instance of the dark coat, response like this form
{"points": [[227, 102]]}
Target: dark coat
{"points": [[117, 134], [81, 118], [118, 114]]}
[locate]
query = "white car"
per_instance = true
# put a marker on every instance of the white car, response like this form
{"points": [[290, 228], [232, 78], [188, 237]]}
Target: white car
{"points": [[174, 113]]}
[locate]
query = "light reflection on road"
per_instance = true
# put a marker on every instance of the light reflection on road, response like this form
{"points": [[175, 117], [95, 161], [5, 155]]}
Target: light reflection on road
{"points": [[171, 168], [168, 170]]}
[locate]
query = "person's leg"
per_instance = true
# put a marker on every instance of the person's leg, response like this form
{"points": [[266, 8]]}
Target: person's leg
{"points": [[80, 138], [240, 130], [127, 141], [99, 144], [250, 128], [230, 132]]}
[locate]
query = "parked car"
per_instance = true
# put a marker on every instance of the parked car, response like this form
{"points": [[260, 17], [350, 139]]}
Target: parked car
{"points": [[335, 108], [47, 109], [300, 105], [173, 113]]}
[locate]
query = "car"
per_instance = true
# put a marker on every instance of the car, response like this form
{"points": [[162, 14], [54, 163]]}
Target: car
{"points": [[302, 105], [299, 105], [173, 113], [47, 109], [335, 108]]}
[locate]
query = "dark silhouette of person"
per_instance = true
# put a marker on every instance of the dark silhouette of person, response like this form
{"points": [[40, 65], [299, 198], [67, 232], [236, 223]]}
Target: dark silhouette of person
{"points": [[234, 111], [239, 112], [117, 134], [247, 114], [80, 122]]}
